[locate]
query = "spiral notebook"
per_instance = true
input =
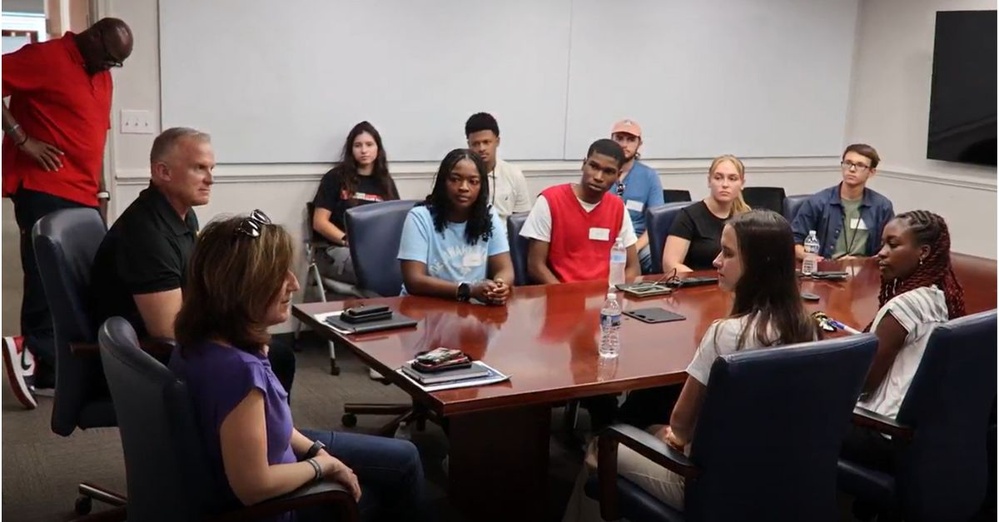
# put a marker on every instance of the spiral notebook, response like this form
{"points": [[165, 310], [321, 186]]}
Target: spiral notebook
{"points": [[492, 376]]}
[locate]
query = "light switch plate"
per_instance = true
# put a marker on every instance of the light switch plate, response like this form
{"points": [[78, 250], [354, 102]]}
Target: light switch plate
{"points": [[136, 122]]}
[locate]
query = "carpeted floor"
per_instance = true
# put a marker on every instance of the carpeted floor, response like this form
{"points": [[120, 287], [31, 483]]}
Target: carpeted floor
{"points": [[41, 469]]}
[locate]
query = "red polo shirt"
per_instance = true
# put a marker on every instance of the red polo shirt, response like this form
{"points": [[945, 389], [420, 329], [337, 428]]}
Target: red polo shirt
{"points": [[54, 100]]}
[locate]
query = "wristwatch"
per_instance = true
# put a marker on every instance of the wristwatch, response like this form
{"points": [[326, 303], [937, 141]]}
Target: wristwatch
{"points": [[314, 450], [464, 291]]}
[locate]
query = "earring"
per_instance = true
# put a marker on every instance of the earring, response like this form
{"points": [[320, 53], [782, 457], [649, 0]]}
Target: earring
{"points": [[920, 261]]}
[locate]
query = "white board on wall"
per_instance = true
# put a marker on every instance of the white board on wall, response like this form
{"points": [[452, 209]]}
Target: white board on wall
{"points": [[283, 82], [757, 78]]}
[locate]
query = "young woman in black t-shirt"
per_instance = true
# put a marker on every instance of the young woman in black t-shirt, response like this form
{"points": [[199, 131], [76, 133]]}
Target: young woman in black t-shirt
{"points": [[361, 177], [694, 240]]}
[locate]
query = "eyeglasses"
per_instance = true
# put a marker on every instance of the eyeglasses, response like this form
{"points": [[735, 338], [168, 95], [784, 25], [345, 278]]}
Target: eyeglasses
{"points": [[849, 165], [109, 60], [253, 224]]}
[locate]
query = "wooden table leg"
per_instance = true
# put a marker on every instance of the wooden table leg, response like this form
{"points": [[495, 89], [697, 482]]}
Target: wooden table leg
{"points": [[498, 463]]}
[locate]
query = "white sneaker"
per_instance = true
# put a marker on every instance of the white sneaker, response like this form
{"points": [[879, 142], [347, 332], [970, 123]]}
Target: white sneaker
{"points": [[19, 364]]}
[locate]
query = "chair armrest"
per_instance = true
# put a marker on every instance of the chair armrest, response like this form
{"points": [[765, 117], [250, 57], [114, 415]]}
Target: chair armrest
{"points": [[646, 445], [152, 345], [875, 421], [315, 494]]}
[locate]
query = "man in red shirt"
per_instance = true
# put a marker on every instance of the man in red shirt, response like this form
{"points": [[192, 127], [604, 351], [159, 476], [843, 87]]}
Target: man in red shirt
{"points": [[53, 147], [573, 227]]}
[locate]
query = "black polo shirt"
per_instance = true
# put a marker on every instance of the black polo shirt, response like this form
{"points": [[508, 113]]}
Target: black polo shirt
{"points": [[146, 251]]}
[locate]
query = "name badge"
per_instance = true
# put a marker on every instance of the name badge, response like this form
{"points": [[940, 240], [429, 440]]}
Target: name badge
{"points": [[472, 259], [600, 234], [858, 224], [637, 206]]}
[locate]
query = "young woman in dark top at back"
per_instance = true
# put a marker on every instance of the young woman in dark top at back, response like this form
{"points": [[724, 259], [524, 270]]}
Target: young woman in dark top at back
{"points": [[361, 177], [694, 239]]}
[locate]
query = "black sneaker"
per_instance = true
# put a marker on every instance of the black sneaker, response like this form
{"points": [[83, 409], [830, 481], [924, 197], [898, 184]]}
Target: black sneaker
{"points": [[19, 364]]}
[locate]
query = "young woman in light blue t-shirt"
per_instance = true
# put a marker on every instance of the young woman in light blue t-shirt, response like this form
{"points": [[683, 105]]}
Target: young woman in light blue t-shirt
{"points": [[453, 244]]}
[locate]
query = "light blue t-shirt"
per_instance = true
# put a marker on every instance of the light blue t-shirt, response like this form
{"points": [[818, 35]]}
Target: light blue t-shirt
{"points": [[642, 190], [447, 255]]}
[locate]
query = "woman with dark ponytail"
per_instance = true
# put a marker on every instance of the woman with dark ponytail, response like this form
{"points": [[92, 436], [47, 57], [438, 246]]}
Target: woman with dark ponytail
{"points": [[918, 293]]}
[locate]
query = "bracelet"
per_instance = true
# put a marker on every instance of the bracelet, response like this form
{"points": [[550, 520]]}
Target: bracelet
{"points": [[318, 469], [13, 128]]}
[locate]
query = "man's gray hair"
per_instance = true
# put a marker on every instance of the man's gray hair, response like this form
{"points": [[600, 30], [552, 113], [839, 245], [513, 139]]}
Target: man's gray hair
{"points": [[164, 144]]}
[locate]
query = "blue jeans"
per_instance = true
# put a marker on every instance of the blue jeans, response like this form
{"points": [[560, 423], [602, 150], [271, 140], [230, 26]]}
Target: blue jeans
{"points": [[389, 471]]}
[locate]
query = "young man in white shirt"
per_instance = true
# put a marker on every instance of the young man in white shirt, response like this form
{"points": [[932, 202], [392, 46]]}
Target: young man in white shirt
{"points": [[507, 187]]}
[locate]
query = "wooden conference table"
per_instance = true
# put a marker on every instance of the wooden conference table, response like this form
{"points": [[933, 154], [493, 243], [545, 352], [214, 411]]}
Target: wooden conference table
{"points": [[546, 340]]}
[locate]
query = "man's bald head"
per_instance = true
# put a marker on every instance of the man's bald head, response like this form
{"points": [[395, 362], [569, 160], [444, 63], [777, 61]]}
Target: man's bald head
{"points": [[106, 44]]}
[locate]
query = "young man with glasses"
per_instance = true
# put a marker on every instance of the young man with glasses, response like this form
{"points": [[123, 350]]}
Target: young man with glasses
{"points": [[848, 218], [639, 186], [55, 129]]}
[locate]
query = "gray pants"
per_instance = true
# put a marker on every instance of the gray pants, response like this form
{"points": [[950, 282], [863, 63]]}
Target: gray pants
{"points": [[336, 264]]}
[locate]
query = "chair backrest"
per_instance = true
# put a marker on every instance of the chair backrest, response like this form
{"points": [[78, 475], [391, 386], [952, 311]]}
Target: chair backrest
{"points": [[770, 430], [658, 221], [770, 198], [944, 469], [792, 204], [675, 195], [314, 237], [65, 243], [165, 462], [373, 234], [518, 248]]}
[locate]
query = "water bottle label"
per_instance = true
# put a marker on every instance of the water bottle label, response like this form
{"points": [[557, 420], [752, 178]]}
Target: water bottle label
{"points": [[619, 257], [610, 320]]}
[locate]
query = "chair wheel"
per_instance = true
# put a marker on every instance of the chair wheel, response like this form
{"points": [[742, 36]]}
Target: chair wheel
{"points": [[334, 369], [83, 505], [349, 420]]}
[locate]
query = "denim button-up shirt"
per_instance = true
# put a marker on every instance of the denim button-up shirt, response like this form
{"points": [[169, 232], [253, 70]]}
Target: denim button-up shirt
{"points": [[823, 213]]}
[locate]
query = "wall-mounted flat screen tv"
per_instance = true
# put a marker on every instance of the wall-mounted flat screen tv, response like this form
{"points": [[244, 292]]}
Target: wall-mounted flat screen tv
{"points": [[963, 93]]}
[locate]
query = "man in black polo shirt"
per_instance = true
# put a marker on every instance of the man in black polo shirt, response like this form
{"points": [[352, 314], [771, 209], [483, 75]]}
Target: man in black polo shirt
{"points": [[140, 267]]}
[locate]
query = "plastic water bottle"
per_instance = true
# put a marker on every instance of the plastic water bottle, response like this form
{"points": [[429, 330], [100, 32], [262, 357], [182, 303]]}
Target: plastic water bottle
{"points": [[610, 326], [618, 260], [810, 264]]}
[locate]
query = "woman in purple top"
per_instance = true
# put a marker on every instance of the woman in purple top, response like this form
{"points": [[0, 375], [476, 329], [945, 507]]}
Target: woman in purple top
{"points": [[239, 283]]}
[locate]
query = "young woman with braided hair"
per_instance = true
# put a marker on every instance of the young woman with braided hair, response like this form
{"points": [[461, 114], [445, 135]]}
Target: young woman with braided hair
{"points": [[918, 293]]}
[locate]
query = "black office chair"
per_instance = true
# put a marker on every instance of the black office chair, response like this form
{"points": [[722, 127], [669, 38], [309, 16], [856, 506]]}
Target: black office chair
{"points": [[792, 204], [770, 198], [940, 433], [658, 221], [165, 460], [675, 195], [65, 244], [766, 441], [518, 248], [375, 232]]}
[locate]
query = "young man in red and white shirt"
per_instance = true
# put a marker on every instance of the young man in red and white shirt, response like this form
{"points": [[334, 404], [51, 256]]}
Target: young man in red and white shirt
{"points": [[573, 227]]}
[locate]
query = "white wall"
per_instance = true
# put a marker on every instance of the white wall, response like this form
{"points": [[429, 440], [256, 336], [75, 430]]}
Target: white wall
{"points": [[889, 108]]}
